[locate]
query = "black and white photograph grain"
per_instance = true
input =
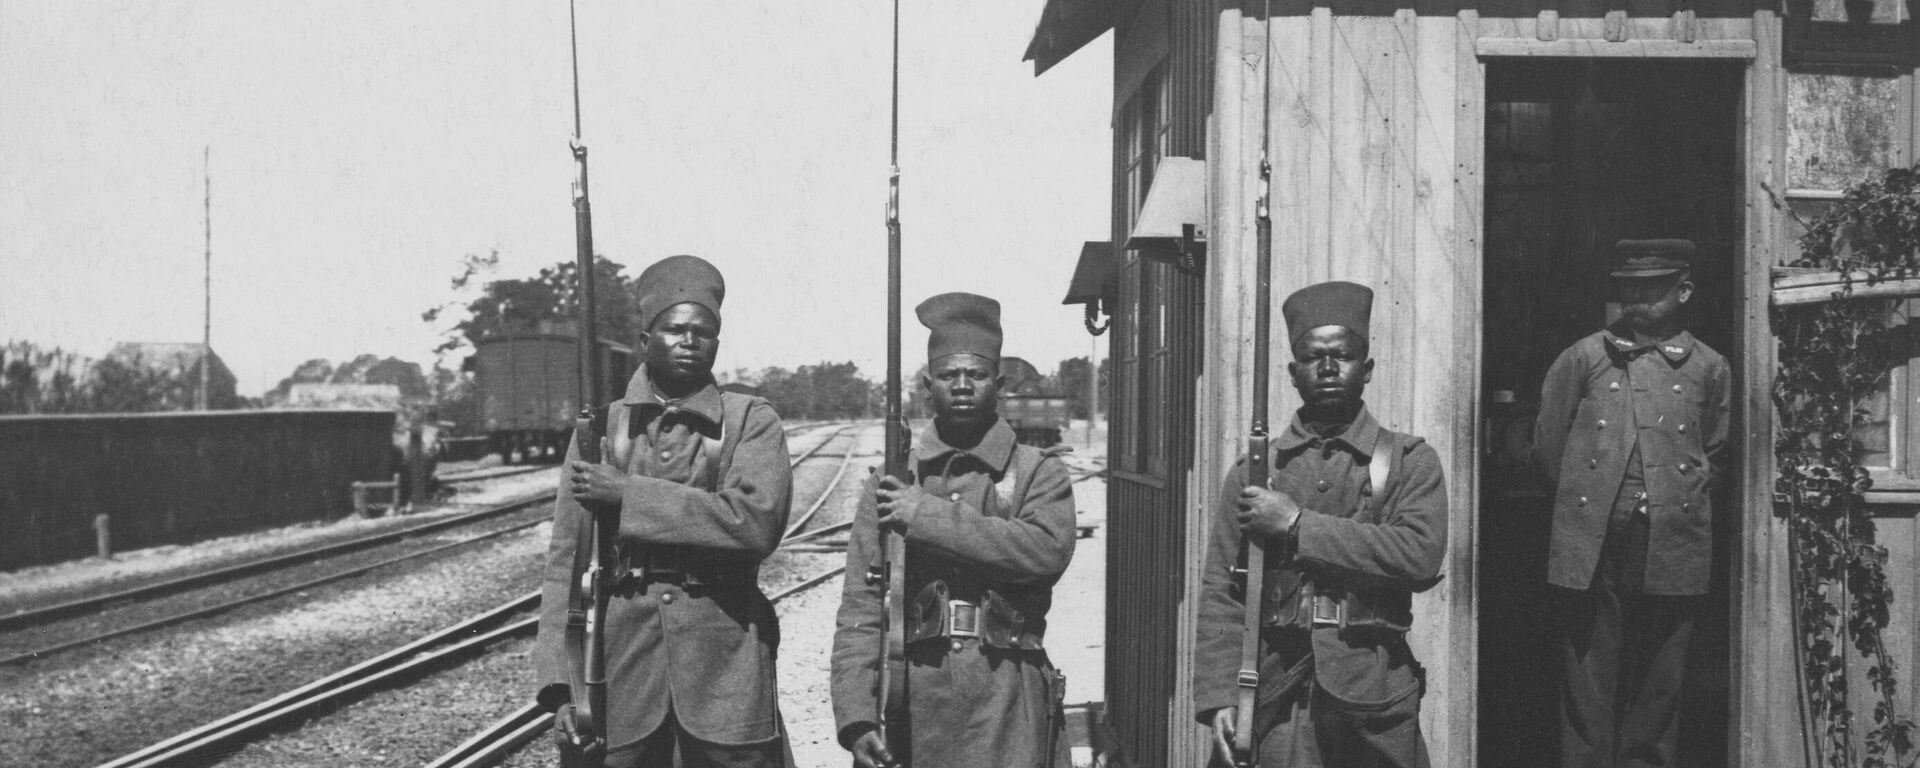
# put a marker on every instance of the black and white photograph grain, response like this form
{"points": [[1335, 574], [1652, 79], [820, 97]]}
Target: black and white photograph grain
{"points": [[993, 384]]}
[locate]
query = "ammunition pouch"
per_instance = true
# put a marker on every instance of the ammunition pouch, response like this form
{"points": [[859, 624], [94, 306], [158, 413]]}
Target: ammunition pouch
{"points": [[996, 619], [1296, 600]]}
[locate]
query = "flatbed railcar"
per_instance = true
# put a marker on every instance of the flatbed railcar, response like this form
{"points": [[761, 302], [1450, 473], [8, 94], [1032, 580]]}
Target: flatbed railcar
{"points": [[529, 385]]}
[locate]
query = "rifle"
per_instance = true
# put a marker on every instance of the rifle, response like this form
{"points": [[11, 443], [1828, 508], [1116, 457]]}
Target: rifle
{"points": [[589, 660], [1258, 458], [891, 573]]}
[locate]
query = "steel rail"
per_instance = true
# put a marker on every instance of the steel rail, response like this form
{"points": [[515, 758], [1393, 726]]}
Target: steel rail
{"points": [[387, 666], [817, 446], [491, 473], [846, 459], [816, 533], [94, 603], [496, 741], [211, 610]]}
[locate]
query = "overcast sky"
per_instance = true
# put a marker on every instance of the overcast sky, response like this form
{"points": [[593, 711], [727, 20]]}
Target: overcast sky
{"points": [[360, 149]]}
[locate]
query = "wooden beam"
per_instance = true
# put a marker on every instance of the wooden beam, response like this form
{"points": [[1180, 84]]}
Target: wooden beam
{"points": [[1631, 49], [1791, 288]]}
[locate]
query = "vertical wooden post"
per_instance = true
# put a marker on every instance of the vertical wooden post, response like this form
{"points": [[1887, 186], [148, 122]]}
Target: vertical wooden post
{"points": [[360, 499], [416, 467], [103, 536]]}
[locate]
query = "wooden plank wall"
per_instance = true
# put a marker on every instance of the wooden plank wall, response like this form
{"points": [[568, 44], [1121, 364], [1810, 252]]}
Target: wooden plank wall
{"points": [[1377, 114], [1376, 120]]}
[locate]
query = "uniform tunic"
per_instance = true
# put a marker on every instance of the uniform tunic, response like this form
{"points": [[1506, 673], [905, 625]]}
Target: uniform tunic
{"points": [[1329, 696], [705, 653], [976, 532], [1607, 400]]}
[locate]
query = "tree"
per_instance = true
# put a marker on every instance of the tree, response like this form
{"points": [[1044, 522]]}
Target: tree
{"points": [[35, 380], [1072, 378], [520, 305], [819, 391]]}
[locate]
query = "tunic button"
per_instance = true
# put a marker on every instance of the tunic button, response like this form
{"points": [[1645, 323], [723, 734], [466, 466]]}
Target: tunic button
{"points": [[1683, 428], [1613, 387], [1583, 501], [1686, 468], [1323, 486], [1603, 423], [956, 646], [1593, 463], [955, 496], [666, 455], [667, 598], [1676, 389]]}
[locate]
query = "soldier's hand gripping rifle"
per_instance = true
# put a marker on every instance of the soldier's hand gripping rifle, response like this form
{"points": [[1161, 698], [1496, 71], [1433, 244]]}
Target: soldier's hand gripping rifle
{"points": [[1258, 456], [585, 728], [891, 573]]}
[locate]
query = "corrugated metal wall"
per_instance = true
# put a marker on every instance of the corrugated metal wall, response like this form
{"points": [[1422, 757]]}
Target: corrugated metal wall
{"points": [[1159, 325]]}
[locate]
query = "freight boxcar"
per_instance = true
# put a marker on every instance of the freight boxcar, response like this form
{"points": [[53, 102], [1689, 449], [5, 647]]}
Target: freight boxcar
{"points": [[528, 386], [1037, 419]]}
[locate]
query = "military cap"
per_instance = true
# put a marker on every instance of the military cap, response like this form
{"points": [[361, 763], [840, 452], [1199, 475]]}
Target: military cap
{"points": [[961, 322], [1349, 305], [1651, 258], [679, 280]]}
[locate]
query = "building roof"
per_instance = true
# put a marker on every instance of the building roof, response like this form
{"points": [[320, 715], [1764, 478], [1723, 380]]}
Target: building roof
{"points": [[1066, 26], [180, 355]]}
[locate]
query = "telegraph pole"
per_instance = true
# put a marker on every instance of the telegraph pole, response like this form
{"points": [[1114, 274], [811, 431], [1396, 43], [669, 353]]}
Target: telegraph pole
{"points": [[206, 315]]}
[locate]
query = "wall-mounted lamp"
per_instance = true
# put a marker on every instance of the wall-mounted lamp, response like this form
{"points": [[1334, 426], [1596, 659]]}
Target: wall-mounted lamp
{"points": [[1093, 283], [1171, 225]]}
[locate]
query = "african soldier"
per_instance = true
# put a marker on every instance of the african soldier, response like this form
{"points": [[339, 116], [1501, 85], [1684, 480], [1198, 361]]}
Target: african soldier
{"points": [[1633, 419], [989, 526], [1354, 523], [701, 482]]}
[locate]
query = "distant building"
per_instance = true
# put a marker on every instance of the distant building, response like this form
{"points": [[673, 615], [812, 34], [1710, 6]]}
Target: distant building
{"points": [[177, 364], [379, 397]]}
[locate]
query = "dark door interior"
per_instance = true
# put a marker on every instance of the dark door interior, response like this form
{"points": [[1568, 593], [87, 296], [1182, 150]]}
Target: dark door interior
{"points": [[1580, 154]]}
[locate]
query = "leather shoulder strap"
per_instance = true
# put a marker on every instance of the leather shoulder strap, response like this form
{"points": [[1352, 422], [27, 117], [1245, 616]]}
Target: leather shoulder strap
{"points": [[1380, 466], [733, 424]]}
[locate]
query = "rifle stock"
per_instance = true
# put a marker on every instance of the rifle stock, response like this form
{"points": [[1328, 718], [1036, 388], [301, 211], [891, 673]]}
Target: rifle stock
{"points": [[891, 573], [1259, 458], [588, 733]]}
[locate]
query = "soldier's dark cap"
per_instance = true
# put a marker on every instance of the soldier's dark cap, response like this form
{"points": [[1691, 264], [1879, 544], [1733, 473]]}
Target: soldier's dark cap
{"points": [[961, 322], [1349, 305], [1651, 258], [678, 280]]}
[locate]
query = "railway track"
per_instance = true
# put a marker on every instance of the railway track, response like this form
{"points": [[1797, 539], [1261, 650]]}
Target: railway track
{"points": [[97, 603], [439, 650]]}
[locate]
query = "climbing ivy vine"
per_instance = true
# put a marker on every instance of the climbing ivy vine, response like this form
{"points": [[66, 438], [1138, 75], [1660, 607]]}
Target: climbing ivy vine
{"points": [[1833, 357]]}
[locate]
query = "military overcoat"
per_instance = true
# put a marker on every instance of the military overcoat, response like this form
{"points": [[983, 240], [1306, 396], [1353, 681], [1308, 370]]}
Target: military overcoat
{"points": [[995, 528], [704, 651], [1381, 545]]}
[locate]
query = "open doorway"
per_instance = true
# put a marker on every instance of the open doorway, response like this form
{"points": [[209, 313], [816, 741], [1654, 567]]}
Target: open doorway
{"points": [[1582, 153]]}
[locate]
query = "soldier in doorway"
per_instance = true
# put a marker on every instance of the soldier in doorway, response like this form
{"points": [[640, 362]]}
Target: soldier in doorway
{"points": [[701, 482], [1355, 523], [989, 527], [1633, 420]]}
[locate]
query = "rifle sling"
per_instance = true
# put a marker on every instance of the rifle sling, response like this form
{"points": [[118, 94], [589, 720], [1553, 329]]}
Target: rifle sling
{"points": [[1379, 469]]}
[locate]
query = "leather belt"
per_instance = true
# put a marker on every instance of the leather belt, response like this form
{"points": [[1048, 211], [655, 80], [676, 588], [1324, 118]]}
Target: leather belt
{"points": [[963, 619], [1328, 611]]}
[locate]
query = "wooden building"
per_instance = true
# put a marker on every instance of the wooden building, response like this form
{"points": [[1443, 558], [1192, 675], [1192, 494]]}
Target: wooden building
{"points": [[1473, 160]]}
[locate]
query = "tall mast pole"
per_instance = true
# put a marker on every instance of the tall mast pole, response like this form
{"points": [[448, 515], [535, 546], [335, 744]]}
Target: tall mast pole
{"points": [[200, 398]]}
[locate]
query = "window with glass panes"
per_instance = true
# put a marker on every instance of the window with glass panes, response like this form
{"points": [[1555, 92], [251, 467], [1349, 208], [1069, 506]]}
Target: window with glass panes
{"points": [[1140, 345]]}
